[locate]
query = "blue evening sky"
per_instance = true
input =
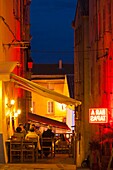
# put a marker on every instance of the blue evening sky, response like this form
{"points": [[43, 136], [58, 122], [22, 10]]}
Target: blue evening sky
{"points": [[51, 30]]}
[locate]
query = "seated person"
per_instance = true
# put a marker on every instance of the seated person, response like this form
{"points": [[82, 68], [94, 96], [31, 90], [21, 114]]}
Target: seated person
{"points": [[18, 134], [37, 129], [32, 135], [23, 129], [48, 133]]}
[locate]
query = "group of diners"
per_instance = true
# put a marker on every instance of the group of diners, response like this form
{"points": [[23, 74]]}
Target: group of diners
{"points": [[33, 133], [21, 133]]}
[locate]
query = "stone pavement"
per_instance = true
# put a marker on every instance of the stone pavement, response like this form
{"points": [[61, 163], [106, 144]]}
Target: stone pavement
{"points": [[59, 162], [37, 167]]}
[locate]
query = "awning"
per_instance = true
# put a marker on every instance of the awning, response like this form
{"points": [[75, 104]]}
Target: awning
{"points": [[6, 68], [46, 121], [31, 86]]}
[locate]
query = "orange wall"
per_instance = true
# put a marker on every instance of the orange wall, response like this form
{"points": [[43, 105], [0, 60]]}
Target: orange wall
{"points": [[41, 102]]}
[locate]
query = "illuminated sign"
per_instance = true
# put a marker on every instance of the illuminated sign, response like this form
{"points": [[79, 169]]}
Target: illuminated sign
{"points": [[98, 115]]}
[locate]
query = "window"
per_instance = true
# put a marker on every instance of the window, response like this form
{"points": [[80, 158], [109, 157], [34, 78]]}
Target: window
{"points": [[50, 107]]}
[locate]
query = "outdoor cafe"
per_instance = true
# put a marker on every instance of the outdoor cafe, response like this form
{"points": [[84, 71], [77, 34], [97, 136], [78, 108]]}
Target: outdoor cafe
{"points": [[23, 151]]}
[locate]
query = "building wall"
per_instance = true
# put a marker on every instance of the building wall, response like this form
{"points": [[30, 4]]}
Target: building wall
{"points": [[101, 15], [12, 59], [81, 81], [41, 102], [97, 86], [101, 57], [8, 28]]}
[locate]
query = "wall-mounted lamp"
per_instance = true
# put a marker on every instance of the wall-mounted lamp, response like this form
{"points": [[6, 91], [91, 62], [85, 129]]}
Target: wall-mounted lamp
{"points": [[12, 102], [18, 112], [15, 114]]}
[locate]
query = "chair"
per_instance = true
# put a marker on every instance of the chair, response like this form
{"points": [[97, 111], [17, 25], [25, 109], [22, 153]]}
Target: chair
{"points": [[28, 150], [37, 147], [62, 147], [16, 151], [47, 147]]}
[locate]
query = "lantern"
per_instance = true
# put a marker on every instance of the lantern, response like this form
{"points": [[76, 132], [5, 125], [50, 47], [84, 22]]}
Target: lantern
{"points": [[30, 63]]}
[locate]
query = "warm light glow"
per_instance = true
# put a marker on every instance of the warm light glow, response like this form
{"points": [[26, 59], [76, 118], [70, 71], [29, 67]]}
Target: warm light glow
{"points": [[31, 109], [18, 111], [98, 115], [12, 102], [15, 114]]}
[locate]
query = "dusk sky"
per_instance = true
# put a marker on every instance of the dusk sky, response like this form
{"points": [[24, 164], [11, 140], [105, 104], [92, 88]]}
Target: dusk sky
{"points": [[51, 30]]}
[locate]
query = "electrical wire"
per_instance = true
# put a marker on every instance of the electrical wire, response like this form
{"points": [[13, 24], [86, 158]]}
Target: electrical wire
{"points": [[65, 51]]}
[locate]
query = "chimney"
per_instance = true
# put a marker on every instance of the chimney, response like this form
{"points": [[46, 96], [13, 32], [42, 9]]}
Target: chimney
{"points": [[60, 64]]}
